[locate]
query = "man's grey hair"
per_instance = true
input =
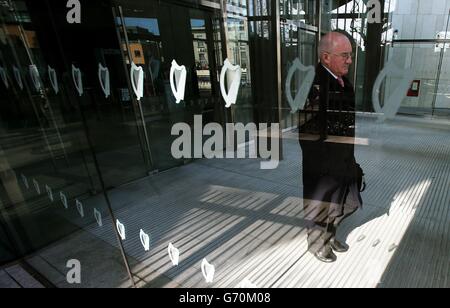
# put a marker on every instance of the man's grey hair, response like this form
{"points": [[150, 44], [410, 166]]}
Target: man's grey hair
{"points": [[329, 42]]}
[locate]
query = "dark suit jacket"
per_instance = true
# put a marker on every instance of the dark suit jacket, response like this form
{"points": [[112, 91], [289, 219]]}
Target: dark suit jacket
{"points": [[330, 170]]}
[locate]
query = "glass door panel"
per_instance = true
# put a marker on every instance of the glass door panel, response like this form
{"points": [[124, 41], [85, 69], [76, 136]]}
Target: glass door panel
{"points": [[52, 204], [89, 50], [153, 42], [154, 35], [442, 103], [423, 61]]}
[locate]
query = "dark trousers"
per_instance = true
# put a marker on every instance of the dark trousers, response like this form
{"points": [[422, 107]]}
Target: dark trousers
{"points": [[325, 217]]}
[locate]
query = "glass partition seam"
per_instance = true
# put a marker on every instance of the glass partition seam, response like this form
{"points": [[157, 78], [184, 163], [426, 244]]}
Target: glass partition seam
{"points": [[30, 97], [276, 37], [44, 96], [21, 242], [319, 21], [135, 102], [438, 76], [98, 170], [147, 157], [66, 64], [228, 112], [105, 193], [438, 80], [213, 64]]}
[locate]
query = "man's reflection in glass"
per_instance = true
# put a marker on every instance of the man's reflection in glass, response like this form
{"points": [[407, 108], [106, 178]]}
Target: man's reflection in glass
{"points": [[331, 176]]}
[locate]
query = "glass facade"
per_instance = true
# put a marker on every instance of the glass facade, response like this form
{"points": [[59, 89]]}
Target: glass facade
{"points": [[135, 137]]}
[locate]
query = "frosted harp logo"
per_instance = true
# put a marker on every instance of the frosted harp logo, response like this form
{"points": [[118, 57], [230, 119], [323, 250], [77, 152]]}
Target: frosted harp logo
{"points": [[103, 77], [4, 77], [393, 102], [80, 208], [25, 181], [63, 198], [18, 77], [178, 81], [121, 230], [145, 240], [77, 80], [53, 79], [49, 193], [230, 90], [303, 86], [98, 218], [35, 77], [174, 254], [36, 186], [208, 271], [137, 80]]}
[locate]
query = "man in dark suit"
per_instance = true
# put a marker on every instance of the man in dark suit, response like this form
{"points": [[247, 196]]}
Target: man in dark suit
{"points": [[327, 135]]}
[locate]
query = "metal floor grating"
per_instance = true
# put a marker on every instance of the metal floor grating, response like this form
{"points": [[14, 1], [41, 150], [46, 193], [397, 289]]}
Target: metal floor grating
{"points": [[249, 222]]}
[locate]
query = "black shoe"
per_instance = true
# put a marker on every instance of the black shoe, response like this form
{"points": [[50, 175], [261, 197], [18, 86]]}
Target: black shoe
{"points": [[326, 255], [338, 246]]}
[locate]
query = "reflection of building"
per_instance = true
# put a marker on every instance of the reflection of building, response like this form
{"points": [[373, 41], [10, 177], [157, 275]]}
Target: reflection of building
{"points": [[200, 47], [237, 31], [143, 43], [137, 52], [29, 35]]}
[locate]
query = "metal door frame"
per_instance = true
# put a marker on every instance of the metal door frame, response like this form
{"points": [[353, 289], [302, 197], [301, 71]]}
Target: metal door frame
{"points": [[140, 119]]}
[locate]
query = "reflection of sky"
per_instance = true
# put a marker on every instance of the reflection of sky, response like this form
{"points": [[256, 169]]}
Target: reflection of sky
{"points": [[151, 24], [197, 23]]}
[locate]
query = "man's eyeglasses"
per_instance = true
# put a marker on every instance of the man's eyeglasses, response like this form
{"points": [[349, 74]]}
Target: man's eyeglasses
{"points": [[345, 55]]}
